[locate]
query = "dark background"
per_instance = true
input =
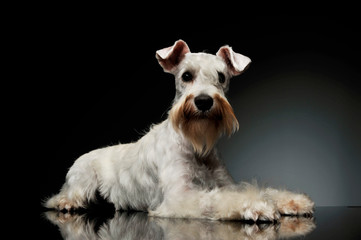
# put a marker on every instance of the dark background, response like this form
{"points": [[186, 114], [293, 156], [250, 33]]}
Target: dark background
{"points": [[298, 104]]}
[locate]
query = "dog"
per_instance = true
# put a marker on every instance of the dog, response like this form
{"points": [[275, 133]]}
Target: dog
{"points": [[174, 170]]}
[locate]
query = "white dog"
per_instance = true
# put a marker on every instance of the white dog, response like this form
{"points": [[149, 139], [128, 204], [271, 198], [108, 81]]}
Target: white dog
{"points": [[174, 171]]}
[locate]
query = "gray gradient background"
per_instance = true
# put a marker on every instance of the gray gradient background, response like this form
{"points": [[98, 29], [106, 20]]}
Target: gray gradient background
{"points": [[298, 104], [299, 129]]}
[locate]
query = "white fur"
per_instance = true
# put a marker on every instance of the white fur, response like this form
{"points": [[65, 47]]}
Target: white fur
{"points": [[162, 173]]}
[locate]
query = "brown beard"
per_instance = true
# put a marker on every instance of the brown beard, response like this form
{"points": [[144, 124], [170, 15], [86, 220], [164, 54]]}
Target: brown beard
{"points": [[204, 129]]}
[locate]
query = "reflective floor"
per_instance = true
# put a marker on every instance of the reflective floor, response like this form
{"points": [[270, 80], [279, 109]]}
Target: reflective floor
{"points": [[327, 223]]}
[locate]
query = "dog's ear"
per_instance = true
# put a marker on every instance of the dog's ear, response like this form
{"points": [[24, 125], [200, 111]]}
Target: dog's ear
{"points": [[170, 57], [237, 63]]}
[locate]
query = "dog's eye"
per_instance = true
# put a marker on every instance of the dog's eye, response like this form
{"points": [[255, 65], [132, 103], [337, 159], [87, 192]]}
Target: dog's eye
{"points": [[221, 77], [187, 76]]}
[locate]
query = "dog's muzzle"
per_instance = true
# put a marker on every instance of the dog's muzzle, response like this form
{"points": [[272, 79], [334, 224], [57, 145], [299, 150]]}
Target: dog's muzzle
{"points": [[203, 119]]}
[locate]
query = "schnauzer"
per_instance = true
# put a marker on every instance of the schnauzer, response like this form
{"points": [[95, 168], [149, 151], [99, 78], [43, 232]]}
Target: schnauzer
{"points": [[174, 170]]}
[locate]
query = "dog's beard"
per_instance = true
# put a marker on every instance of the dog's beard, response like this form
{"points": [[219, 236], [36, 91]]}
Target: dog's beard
{"points": [[204, 129]]}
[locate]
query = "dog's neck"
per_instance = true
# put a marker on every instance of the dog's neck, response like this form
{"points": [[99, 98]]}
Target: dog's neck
{"points": [[183, 144]]}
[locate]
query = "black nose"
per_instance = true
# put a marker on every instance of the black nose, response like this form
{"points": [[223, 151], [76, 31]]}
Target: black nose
{"points": [[203, 102]]}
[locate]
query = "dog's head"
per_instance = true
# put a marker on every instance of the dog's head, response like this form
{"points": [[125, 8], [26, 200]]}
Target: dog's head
{"points": [[200, 109]]}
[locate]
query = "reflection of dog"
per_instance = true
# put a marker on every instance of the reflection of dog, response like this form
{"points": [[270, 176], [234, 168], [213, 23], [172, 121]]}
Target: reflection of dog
{"points": [[173, 171], [137, 225]]}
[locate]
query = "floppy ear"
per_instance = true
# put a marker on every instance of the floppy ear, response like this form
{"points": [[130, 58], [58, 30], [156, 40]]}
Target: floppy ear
{"points": [[237, 63], [170, 57]]}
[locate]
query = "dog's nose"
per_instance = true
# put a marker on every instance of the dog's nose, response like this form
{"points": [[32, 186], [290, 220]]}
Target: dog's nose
{"points": [[203, 102]]}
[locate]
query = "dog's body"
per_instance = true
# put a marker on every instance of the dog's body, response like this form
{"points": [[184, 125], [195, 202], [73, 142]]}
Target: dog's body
{"points": [[173, 170]]}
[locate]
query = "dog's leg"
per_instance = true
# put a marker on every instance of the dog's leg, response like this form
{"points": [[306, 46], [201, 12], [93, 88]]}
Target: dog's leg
{"points": [[289, 203], [219, 204], [80, 186]]}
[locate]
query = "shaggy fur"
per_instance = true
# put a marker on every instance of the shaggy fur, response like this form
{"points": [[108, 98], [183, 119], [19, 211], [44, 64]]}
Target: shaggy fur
{"points": [[174, 170]]}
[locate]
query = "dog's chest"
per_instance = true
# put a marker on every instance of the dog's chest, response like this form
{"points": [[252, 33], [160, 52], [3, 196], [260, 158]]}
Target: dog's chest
{"points": [[202, 175]]}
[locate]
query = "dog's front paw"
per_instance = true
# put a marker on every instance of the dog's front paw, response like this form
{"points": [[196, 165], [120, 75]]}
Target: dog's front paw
{"points": [[289, 203], [295, 204], [260, 210]]}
